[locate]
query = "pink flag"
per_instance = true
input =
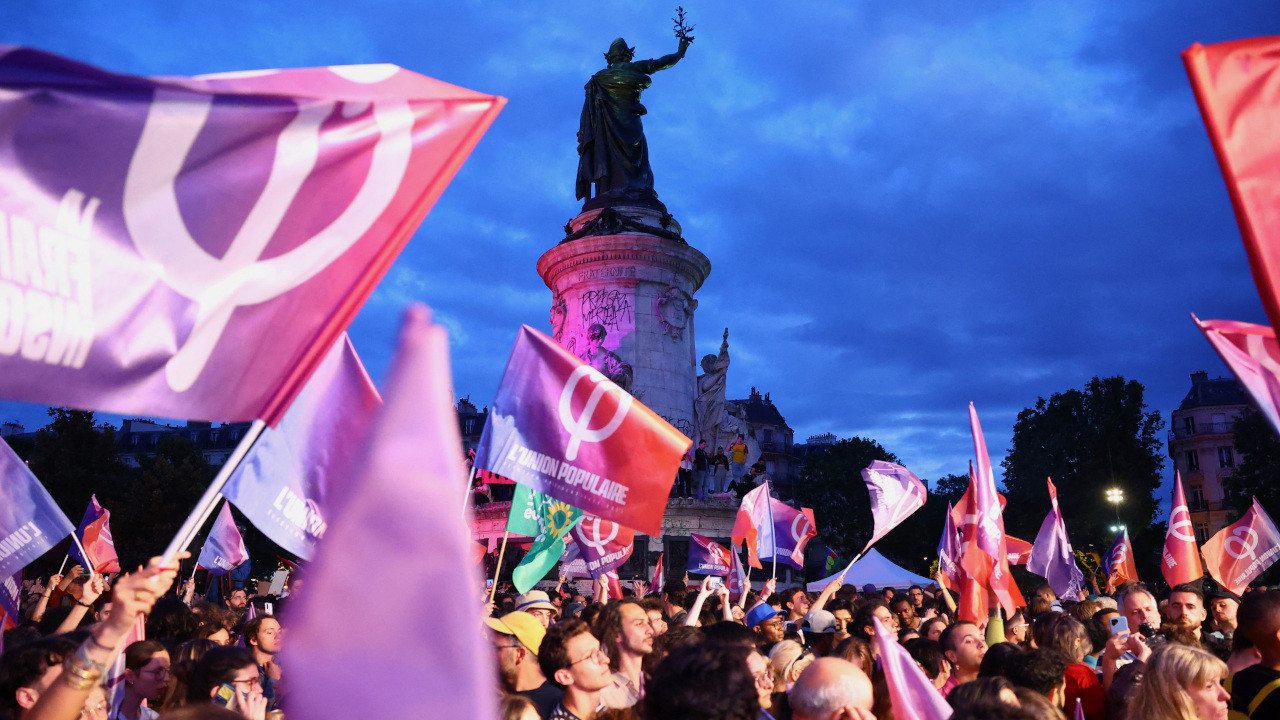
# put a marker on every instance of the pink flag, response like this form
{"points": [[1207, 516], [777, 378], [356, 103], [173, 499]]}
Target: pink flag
{"points": [[754, 526], [1180, 560], [896, 492], [403, 520], [207, 243], [296, 473], [1243, 550], [986, 559], [223, 549], [911, 692], [1253, 355]]}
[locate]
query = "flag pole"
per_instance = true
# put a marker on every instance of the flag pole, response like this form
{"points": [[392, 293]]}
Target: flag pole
{"points": [[64, 564], [85, 554], [466, 493], [768, 493], [208, 501], [497, 572]]}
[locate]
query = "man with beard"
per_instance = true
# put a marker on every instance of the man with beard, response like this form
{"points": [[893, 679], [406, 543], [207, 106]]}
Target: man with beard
{"points": [[1222, 614], [1186, 607], [627, 636], [516, 638]]}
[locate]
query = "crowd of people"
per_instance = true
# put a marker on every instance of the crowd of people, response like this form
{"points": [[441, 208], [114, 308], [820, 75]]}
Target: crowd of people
{"points": [[676, 652], [200, 659], [680, 652]]}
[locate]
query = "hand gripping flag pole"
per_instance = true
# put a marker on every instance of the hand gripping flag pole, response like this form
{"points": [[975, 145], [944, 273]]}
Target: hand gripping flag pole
{"points": [[212, 494]]}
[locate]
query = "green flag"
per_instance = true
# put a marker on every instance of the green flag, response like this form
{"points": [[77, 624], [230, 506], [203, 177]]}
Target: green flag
{"points": [[547, 521]]}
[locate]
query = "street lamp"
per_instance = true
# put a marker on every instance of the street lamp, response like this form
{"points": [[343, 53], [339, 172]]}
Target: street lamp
{"points": [[1117, 528], [1115, 496]]}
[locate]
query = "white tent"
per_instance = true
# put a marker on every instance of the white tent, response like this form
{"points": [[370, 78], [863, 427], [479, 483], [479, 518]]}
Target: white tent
{"points": [[875, 569]]}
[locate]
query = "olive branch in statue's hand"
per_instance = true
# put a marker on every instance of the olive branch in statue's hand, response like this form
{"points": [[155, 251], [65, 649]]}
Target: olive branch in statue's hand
{"points": [[683, 31]]}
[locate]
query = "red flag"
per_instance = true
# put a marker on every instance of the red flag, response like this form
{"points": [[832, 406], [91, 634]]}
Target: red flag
{"points": [[1180, 561], [656, 584], [986, 555], [1118, 563], [1019, 551], [95, 535], [1237, 85], [560, 427], [1243, 550], [400, 519], [210, 240]]}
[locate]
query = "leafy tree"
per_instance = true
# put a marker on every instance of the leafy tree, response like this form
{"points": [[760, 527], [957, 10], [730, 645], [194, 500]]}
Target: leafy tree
{"points": [[146, 514], [831, 483], [1255, 475], [75, 457], [1088, 441]]}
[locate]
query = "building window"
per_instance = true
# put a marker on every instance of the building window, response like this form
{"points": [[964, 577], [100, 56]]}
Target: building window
{"points": [[154, 439], [1226, 458], [768, 435], [1195, 498], [213, 436], [133, 440], [468, 427], [1202, 533], [1189, 425], [1193, 460]]}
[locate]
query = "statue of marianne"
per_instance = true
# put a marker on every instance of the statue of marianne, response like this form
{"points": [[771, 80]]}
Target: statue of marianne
{"points": [[612, 152]]}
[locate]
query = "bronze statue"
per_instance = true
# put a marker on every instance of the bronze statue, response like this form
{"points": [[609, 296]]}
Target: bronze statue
{"points": [[612, 151]]}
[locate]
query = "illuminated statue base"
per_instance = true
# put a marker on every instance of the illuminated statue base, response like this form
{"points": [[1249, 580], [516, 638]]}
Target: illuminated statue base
{"points": [[636, 290]]}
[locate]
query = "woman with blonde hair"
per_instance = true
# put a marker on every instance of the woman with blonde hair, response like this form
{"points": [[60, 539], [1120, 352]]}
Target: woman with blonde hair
{"points": [[1180, 683], [787, 660]]}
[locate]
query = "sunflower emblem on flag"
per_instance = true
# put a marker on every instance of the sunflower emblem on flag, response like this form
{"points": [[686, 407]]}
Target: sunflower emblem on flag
{"points": [[559, 517]]}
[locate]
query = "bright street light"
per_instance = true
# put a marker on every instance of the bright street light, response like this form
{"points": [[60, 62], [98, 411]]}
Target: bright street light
{"points": [[1115, 496]]}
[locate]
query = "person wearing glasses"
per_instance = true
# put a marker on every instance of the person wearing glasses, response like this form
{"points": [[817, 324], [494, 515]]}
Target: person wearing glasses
{"points": [[234, 667], [516, 638], [146, 677], [571, 657]]}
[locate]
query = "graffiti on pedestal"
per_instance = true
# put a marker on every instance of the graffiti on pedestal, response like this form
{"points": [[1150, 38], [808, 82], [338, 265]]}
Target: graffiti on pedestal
{"points": [[610, 308]]}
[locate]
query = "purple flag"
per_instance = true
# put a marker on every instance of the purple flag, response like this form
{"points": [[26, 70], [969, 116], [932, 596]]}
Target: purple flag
{"points": [[30, 521], [949, 551], [293, 476], [95, 534], [603, 544], [911, 692], [896, 492], [224, 548], [191, 247], [1051, 554], [708, 557], [791, 532], [402, 519], [10, 595]]}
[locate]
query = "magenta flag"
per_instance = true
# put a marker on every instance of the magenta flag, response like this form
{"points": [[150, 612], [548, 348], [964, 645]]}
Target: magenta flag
{"points": [[296, 473], [896, 492], [911, 692], [1253, 355], [561, 428], [603, 545], [224, 549], [737, 575], [191, 247], [1051, 555], [403, 518]]}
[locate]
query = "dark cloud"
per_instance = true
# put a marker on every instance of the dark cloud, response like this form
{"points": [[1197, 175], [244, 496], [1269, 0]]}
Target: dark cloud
{"points": [[907, 207]]}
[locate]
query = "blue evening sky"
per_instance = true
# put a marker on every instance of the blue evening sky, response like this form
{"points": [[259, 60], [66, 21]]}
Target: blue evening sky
{"points": [[907, 205]]}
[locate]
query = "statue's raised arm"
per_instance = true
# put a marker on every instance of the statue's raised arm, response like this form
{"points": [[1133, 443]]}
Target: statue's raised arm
{"points": [[612, 152]]}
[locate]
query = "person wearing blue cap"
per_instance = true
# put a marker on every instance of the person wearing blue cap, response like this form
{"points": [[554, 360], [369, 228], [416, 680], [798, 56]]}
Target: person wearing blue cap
{"points": [[766, 622]]}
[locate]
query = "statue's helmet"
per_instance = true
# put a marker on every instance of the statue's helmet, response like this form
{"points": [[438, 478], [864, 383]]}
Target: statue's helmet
{"points": [[619, 52]]}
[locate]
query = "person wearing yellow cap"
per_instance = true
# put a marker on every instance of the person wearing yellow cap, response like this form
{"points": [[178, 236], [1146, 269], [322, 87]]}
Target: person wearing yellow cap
{"points": [[516, 638]]}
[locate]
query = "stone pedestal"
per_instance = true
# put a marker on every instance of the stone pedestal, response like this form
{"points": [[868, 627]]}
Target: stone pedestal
{"points": [[639, 287]]}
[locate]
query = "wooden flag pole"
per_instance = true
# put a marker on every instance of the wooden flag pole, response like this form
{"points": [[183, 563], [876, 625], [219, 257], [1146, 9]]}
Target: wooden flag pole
{"points": [[208, 501], [497, 572]]}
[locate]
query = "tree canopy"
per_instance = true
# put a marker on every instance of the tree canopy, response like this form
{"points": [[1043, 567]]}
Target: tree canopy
{"points": [[1087, 441]]}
